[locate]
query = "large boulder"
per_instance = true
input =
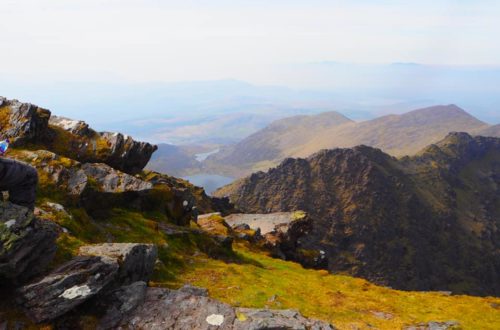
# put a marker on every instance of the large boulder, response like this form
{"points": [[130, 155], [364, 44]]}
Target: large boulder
{"points": [[98, 269], [66, 287], [22, 123], [136, 261], [27, 244]]}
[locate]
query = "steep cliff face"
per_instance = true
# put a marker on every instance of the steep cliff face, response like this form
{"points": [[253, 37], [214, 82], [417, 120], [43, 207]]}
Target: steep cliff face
{"points": [[429, 222], [28, 125]]}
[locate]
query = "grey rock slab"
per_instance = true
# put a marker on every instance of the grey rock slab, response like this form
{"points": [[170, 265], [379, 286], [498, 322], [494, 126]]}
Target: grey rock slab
{"points": [[66, 287]]}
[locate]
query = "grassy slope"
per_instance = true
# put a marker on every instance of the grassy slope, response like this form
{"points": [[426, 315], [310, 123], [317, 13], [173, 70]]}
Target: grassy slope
{"points": [[343, 300]]}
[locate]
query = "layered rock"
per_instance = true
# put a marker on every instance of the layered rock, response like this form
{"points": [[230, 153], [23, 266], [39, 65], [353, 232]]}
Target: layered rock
{"points": [[25, 123], [402, 223], [66, 287], [77, 140], [75, 177], [27, 244], [22, 123], [98, 268]]}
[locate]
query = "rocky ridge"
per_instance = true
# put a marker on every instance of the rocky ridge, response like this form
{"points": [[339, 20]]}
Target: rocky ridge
{"points": [[402, 223], [26, 125]]}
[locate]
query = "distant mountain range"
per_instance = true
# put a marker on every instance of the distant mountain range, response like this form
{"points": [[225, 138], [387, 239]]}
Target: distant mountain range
{"points": [[301, 136], [425, 222]]}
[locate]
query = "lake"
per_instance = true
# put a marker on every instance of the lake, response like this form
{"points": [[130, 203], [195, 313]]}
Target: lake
{"points": [[209, 181]]}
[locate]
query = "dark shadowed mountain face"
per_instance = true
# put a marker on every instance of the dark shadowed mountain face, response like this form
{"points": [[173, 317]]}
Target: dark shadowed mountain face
{"points": [[428, 222], [302, 136]]}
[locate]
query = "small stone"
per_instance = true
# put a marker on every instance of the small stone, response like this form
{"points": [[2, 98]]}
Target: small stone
{"points": [[215, 319]]}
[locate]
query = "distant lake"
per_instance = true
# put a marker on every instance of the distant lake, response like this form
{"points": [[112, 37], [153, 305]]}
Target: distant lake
{"points": [[204, 155], [209, 181]]}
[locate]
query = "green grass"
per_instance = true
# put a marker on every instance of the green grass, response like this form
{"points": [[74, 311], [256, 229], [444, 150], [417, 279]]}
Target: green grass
{"points": [[345, 301]]}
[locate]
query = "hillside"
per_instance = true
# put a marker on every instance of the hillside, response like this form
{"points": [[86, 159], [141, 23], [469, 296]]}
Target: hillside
{"points": [[108, 249], [397, 135], [172, 159], [427, 222]]}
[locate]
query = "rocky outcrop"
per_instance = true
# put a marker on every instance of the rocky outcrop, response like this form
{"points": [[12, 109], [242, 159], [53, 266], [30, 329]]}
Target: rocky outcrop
{"points": [[191, 308], [25, 123], [66, 287], [98, 269], [77, 140], [75, 177], [280, 232], [22, 123], [111, 180], [27, 244], [367, 212]]}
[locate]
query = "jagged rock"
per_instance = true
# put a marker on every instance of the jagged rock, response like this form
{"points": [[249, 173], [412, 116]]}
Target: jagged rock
{"points": [[27, 244], [111, 180], [191, 308], [434, 326], [97, 269], [263, 319], [136, 260], [127, 154], [118, 303], [86, 145], [66, 287], [27, 123], [77, 127], [22, 122]]}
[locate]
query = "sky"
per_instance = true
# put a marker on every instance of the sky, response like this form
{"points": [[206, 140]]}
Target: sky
{"points": [[262, 42]]}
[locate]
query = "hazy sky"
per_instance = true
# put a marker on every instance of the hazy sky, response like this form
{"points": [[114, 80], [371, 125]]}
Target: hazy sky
{"points": [[254, 40]]}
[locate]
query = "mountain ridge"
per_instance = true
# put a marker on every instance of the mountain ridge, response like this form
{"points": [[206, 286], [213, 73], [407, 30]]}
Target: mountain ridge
{"points": [[398, 135], [374, 212]]}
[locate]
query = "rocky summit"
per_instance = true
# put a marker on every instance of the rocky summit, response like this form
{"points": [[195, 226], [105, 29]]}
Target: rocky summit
{"points": [[428, 222]]}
